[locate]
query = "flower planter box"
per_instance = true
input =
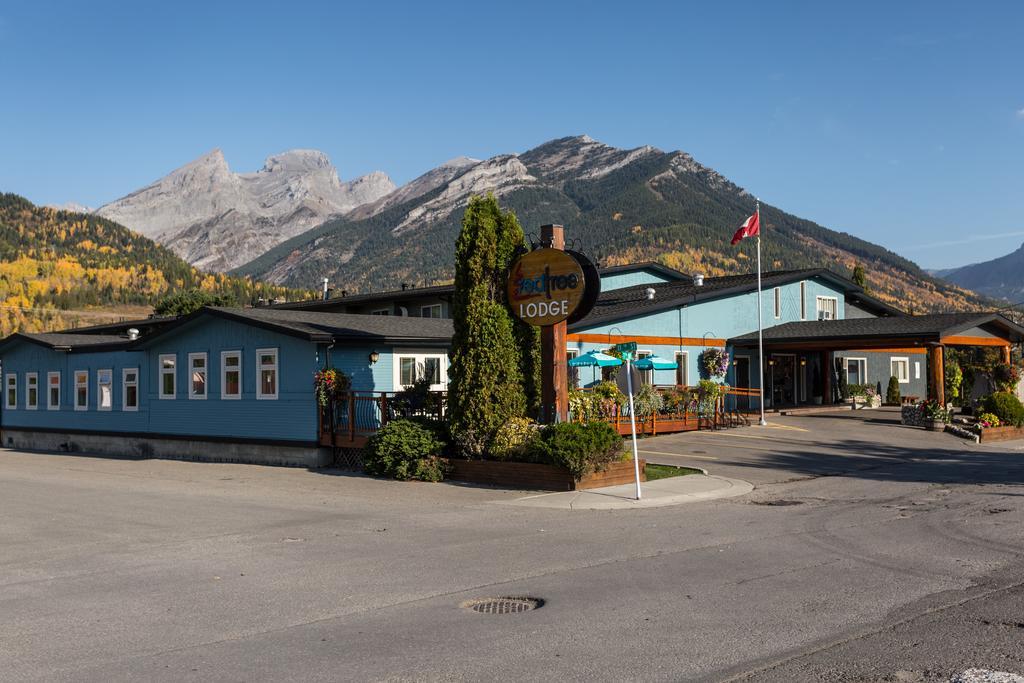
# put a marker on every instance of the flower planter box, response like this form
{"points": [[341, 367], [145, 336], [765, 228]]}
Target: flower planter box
{"points": [[525, 475], [935, 425], [991, 434]]}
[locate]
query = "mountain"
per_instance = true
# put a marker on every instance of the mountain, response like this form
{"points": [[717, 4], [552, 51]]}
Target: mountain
{"points": [[617, 205], [217, 220], [61, 268], [1001, 278]]}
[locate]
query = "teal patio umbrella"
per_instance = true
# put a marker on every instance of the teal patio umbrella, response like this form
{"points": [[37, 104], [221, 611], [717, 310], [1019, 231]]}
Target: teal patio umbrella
{"points": [[653, 362], [595, 359]]}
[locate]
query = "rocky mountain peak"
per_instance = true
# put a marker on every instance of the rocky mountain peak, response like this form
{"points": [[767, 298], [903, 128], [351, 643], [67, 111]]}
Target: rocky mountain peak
{"points": [[296, 160]]}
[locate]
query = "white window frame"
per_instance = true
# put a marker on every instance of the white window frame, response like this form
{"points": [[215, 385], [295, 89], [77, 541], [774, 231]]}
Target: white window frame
{"points": [[572, 353], [11, 383], [419, 358], [50, 405], [30, 379], [778, 303], [683, 367], [917, 369], [224, 355], [124, 390], [646, 376], [162, 371], [192, 395], [863, 367], [803, 299], [906, 364], [260, 367], [432, 307], [818, 309], [76, 375], [381, 311], [99, 388]]}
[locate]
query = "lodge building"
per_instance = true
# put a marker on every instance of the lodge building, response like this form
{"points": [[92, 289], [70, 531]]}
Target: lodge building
{"points": [[237, 384]]}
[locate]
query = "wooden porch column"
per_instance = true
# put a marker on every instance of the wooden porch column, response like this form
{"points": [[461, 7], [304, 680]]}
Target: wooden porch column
{"points": [[554, 371], [826, 377], [936, 367], [1006, 355]]}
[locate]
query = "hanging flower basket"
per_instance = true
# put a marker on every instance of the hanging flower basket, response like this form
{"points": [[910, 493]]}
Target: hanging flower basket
{"points": [[330, 383], [715, 362]]}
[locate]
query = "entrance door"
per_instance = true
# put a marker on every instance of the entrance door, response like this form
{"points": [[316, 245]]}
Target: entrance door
{"points": [[742, 369], [783, 379]]}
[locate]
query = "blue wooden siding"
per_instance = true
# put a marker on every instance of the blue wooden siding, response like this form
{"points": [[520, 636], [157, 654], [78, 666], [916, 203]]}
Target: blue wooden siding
{"points": [[630, 279], [292, 416]]}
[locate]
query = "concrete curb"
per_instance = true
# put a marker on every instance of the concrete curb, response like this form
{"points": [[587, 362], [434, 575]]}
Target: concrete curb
{"points": [[692, 488]]}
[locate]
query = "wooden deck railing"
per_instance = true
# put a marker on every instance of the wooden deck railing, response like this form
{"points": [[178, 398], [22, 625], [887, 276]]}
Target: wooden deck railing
{"points": [[351, 419]]}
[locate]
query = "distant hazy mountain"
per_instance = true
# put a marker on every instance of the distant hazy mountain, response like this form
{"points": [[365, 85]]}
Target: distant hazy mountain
{"points": [[1001, 278], [217, 219], [618, 205]]}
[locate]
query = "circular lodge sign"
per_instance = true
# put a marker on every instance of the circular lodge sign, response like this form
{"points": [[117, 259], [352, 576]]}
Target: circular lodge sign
{"points": [[545, 286]]}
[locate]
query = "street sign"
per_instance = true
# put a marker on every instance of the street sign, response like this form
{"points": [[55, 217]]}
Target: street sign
{"points": [[626, 347], [628, 379]]}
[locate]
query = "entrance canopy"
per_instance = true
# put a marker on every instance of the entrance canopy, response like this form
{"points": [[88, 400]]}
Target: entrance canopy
{"points": [[925, 332]]}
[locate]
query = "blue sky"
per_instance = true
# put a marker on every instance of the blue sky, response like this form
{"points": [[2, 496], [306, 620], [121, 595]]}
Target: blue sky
{"points": [[902, 123]]}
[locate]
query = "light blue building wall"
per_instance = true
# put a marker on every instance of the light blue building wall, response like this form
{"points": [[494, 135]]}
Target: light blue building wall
{"points": [[630, 279], [729, 316]]}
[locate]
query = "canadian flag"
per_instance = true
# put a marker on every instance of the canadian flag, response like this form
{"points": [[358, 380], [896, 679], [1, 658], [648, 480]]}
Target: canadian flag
{"points": [[750, 228]]}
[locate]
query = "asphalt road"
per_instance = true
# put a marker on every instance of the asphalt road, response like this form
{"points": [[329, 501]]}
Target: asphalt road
{"points": [[868, 551]]}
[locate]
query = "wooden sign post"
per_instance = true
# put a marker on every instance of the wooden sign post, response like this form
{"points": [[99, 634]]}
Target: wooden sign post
{"points": [[546, 287]]}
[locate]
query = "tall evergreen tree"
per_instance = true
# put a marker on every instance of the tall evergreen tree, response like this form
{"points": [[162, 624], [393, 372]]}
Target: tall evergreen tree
{"points": [[486, 385], [859, 276]]}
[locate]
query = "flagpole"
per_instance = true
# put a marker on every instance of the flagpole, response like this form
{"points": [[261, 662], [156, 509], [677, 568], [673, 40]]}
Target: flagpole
{"points": [[760, 340]]}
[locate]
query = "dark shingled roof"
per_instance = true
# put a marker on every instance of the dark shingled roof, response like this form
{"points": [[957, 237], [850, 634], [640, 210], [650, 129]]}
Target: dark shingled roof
{"points": [[329, 327], [632, 301], [69, 342], [933, 327]]}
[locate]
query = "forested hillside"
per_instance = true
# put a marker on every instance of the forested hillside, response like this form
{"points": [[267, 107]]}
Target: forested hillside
{"points": [[620, 206], [60, 269]]}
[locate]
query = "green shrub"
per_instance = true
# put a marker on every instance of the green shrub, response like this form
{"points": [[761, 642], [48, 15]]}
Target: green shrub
{"points": [[580, 448], [1006, 407], [405, 449], [513, 438], [892, 392], [584, 406]]}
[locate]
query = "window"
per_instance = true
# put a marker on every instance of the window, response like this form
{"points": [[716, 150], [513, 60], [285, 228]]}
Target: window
{"points": [[32, 390], [381, 311], [231, 374], [572, 374], [53, 391], [413, 367], [11, 401], [682, 368], [803, 299], [778, 302], [900, 369], [856, 370], [104, 389], [433, 311], [130, 389], [646, 376], [266, 373], [168, 363], [917, 369], [827, 307], [197, 375], [81, 390], [572, 353]]}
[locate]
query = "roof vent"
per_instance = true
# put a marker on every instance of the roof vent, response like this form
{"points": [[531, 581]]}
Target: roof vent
{"points": [[649, 292], [133, 333], [698, 280]]}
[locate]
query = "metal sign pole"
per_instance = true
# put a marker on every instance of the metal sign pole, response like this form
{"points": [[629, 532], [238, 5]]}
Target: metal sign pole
{"points": [[632, 421]]}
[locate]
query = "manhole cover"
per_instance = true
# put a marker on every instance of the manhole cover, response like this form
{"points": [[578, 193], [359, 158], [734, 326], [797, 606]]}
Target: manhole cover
{"points": [[777, 502], [503, 605]]}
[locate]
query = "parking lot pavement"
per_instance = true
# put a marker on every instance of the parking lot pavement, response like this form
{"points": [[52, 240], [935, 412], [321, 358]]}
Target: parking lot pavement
{"points": [[798, 447], [159, 570]]}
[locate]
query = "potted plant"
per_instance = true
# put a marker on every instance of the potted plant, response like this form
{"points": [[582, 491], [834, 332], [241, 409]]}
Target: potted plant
{"points": [[935, 416]]}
